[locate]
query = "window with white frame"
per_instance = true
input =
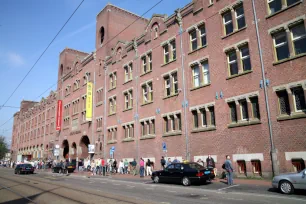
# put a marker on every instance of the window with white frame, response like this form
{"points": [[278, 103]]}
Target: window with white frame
{"points": [[112, 105], [232, 62], [202, 32], [171, 84], [128, 72], [228, 23], [193, 40], [244, 109], [112, 80], [298, 34], [245, 58], [240, 19], [147, 127], [281, 45], [147, 92], [196, 75], [299, 99], [172, 123], [128, 131], [203, 117], [149, 61], [200, 74], [173, 49], [278, 5], [128, 99], [166, 53]]}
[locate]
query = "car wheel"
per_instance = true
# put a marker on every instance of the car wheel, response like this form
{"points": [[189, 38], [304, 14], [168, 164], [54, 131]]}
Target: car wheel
{"points": [[156, 179], [15, 172], [186, 181], [19, 172], [286, 187]]}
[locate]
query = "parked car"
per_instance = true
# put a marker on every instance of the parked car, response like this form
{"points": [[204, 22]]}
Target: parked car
{"points": [[287, 183], [184, 173], [24, 168], [58, 168]]}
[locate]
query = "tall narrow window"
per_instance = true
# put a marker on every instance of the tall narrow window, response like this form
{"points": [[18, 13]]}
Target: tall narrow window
{"points": [[240, 17], [274, 5], [255, 108], [166, 53], [281, 45], [244, 110], [299, 99], [195, 119], [233, 112], [175, 83], [144, 64], [232, 63], [203, 115], [167, 86], [173, 49], [299, 39], [245, 58], [212, 115], [193, 40], [228, 23], [283, 102], [150, 62], [205, 71], [203, 35], [196, 75], [126, 73]]}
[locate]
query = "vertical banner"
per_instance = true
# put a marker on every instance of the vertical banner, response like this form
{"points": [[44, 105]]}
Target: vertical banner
{"points": [[59, 115], [89, 102]]}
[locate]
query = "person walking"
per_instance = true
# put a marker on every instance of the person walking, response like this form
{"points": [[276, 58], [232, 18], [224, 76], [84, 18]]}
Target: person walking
{"points": [[134, 164], [163, 162], [121, 167], [176, 160], [93, 167], [126, 165], [103, 166], [115, 166], [169, 162], [141, 169], [149, 168], [229, 169], [211, 164]]}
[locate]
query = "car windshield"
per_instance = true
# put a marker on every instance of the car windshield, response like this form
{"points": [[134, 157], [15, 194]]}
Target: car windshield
{"points": [[196, 166], [27, 165]]}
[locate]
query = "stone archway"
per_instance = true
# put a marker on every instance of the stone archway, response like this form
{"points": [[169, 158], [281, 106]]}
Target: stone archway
{"points": [[84, 142], [65, 146]]}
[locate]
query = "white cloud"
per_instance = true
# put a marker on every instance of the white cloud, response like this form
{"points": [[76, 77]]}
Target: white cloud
{"points": [[15, 59]]}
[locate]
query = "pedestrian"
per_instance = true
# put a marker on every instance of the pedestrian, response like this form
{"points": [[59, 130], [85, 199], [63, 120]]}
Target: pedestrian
{"points": [[141, 168], [93, 167], [98, 162], [149, 168], [169, 162], [200, 161], [211, 163], [115, 166], [134, 164], [163, 162], [121, 167], [176, 160], [126, 165], [103, 166], [229, 169]]}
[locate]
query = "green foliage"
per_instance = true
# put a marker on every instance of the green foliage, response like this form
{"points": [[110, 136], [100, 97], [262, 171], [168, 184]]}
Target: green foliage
{"points": [[3, 147]]}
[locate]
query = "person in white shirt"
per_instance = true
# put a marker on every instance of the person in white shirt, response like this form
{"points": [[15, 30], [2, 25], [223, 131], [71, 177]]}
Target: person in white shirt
{"points": [[121, 167]]}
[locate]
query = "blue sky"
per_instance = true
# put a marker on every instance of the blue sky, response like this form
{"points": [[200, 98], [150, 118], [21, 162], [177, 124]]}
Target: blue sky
{"points": [[27, 27]]}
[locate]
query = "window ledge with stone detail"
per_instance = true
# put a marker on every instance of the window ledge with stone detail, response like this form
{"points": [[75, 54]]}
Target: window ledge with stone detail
{"points": [[172, 95], [244, 123], [146, 137], [85, 122], [294, 115], [203, 129], [129, 139], [145, 73], [66, 128], [174, 133], [284, 9], [168, 63], [112, 142], [111, 114], [147, 103], [99, 129], [201, 86], [75, 114], [111, 89], [289, 59], [199, 48], [99, 103], [127, 81], [128, 109], [240, 74], [232, 33]]}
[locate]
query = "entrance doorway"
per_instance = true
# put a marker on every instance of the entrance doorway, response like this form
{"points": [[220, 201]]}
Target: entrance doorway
{"points": [[65, 145]]}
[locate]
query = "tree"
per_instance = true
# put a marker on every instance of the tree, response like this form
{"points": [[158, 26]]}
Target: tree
{"points": [[3, 147]]}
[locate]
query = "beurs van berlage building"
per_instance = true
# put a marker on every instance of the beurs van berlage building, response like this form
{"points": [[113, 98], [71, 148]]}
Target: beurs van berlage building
{"points": [[193, 80]]}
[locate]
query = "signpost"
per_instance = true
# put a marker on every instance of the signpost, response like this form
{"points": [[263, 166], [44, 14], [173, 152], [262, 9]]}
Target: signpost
{"points": [[164, 147], [111, 152]]}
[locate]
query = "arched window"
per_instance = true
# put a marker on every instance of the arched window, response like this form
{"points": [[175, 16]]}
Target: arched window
{"points": [[101, 34], [155, 30], [62, 70], [118, 53]]}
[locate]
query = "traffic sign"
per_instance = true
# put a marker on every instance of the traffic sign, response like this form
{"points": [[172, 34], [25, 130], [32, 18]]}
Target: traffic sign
{"points": [[113, 148], [164, 146]]}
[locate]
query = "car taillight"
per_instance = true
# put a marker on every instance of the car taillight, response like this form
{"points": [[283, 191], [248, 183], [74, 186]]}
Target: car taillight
{"points": [[199, 174]]}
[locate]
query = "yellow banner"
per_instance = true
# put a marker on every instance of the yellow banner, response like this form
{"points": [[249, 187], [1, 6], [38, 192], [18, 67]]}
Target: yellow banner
{"points": [[89, 102]]}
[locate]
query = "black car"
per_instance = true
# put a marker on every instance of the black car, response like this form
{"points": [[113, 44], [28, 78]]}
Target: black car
{"points": [[184, 173], [59, 168], [24, 168]]}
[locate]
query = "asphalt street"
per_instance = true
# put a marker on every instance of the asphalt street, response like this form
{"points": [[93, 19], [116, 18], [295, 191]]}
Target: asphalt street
{"points": [[56, 188]]}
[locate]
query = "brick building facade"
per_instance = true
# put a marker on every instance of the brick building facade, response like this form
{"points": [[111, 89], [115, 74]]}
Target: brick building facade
{"points": [[192, 80]]}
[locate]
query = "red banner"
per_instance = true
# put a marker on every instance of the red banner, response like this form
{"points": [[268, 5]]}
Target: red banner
{"points": [[59, 115]]}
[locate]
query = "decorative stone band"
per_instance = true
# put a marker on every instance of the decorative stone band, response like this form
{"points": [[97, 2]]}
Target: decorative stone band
{"points": [[206, 105], [146, 53], [128, 63], [248, 157], [167, 41], [146, 82], [199, 61], [289, 86], [231, 6], [172, 113], [112, 127], [195, 26], [112, 97], [147, 119], [295, 155], [100, 89], [236, 46], [99, 118], [286, 25], [128, 124], [170, 72], [244, 96], [127, 90]]}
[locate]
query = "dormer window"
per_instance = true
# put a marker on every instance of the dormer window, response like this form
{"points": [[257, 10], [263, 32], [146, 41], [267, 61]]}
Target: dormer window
{"points": [[118, 54], [155, 30]]}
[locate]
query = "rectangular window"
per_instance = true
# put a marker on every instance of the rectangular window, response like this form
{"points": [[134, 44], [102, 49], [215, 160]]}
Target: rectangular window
{"points": [[256, 166], [244, 110], [245, 58], [193, 40], [233, 112], [281, 46], [144, 64], [112, 105], [255, 108], [212, 116], [228, 23], [99, 96], [283, 102], [274, 5], [299, 99], [205, 71], [195, 119], [175, 82], [167, 86], [196, 75], [166, 124], [75, 124], [241, 166], [203, 115], [299, 39], [126, 73], [131, 71], [173, 49], [240, 17], [166, 53], [150, 62], [232, 63], [173, 125], [153, 127], [126, 101], [203, 35]]}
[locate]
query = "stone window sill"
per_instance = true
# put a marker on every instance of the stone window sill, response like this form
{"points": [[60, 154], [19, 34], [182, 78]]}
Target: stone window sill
{"points": [[112, 142], [85, 122], [75, 114], [146, 137], [144, 104], [127, 81], [203, 129], [199, 48], [148, 41], [111, 89], [244, 123], [172, 95], [99, 103], [67, 95], [111, 114], [284, 9], [240, 74], [66, 128], [234, 32], [292, 116], [145, 73], [130, 139], [127, 109], [76, 89], [174, 133], [198, 11], [163, 32], [289, 59], [201, 86], [168, 63], [99, 129], [210, 5]]}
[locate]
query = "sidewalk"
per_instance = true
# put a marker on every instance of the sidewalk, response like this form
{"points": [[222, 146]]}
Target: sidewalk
{"points": [[130, 177]]}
